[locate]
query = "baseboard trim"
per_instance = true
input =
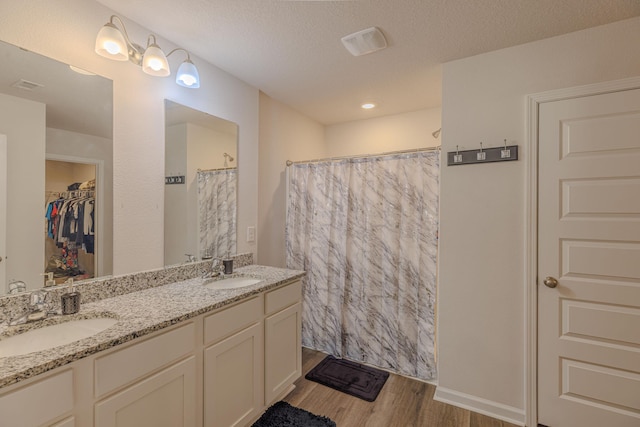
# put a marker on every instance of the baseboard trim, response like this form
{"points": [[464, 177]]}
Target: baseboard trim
{"points": [[482, 406]]}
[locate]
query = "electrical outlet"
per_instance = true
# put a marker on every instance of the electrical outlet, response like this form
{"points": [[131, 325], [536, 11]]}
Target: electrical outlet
{"points": [[251, 234]]}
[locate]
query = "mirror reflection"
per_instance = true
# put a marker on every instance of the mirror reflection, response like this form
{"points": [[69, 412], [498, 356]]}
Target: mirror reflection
{"points": [[200, 185], [56, 141]]}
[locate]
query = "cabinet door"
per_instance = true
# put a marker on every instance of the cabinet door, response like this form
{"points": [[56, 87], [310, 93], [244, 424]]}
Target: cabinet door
{"points": [[283, 351], [233, 381], [166, 399], [38, 403]]}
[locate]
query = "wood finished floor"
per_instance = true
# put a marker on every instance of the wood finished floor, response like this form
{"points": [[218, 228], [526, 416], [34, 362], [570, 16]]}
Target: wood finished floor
{"points": [[403, 402]]}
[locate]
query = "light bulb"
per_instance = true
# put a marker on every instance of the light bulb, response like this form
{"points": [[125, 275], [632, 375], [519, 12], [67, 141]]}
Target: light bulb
{"points": [[112, 47], [155, 64], [188, 80]]}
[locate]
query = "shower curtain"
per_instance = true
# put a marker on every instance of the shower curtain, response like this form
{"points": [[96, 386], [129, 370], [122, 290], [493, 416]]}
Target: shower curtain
{"points": [[366, 230], [217, 201]]}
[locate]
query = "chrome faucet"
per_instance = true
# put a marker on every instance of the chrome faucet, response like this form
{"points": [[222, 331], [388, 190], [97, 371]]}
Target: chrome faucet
{"points": [[217, 269], [38, 309]]}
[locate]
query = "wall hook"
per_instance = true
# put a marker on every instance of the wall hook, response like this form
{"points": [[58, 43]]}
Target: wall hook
{"points": [[481, 155], [457, 158], [505, 153]]}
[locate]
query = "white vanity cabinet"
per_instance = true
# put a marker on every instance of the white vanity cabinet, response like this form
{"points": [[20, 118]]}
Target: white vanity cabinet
{"points": [[219, 369], [233, 364], [283, 349]]}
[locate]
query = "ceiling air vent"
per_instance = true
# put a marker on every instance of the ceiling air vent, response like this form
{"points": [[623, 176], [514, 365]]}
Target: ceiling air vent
{"points": [[26, 85], [365, 41]]}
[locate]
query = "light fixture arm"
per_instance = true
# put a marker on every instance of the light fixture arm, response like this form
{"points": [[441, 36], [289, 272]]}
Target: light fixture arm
{"points": [[179, 48], [150, 42]]}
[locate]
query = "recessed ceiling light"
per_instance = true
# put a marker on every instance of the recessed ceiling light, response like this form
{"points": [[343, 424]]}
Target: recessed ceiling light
{"points": [[368, 105]]}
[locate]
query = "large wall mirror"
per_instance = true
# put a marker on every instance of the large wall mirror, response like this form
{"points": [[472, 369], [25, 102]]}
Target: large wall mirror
{"points": [[200, 186], [56, 203]]}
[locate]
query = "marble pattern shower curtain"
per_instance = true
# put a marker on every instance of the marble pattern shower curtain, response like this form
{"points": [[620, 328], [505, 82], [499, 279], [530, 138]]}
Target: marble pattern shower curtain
{"points": [[217, 201], [366, 232]]}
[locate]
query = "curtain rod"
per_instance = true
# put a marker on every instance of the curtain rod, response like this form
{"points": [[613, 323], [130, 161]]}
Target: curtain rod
{"points": [[363, 156], [215, 170]]}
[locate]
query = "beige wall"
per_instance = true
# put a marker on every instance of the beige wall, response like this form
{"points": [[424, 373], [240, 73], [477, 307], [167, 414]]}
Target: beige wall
{"points": [[23, 122], [481, 323], [285, 135], [382, 134], [66, 31]]}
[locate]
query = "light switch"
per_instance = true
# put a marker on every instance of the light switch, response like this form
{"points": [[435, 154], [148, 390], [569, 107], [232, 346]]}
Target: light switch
{"points": [[251, 234]]}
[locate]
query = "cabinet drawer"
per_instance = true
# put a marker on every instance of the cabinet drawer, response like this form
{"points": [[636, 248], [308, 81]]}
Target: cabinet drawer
{"points": [[282, 297], [124, 366], [232, 319], [39, 402]]}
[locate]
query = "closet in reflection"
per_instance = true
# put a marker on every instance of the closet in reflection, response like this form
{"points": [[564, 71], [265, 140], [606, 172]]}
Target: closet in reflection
{"points": [[70, 220], [56, 130]]}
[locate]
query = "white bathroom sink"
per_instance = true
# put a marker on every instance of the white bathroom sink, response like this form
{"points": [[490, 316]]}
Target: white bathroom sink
{"points": [[52, 336], [231, 282]]}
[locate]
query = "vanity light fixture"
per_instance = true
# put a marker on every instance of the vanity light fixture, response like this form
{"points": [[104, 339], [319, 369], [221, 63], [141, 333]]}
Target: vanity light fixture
{"points": [[115, 44]]}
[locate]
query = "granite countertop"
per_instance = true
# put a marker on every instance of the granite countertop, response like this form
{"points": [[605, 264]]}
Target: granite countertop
{"points": [[141, 313]]}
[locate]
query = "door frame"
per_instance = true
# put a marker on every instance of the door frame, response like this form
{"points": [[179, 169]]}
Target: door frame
{"points": [[99, 203], [533, 102], [3, 212]]}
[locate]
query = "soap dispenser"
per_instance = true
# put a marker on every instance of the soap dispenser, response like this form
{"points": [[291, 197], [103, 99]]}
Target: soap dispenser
{"points": [[70, 300], [49, 282], [228, 266]]}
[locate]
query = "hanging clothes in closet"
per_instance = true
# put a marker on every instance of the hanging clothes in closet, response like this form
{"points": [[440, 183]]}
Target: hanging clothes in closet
{"points": [[70, 224]]}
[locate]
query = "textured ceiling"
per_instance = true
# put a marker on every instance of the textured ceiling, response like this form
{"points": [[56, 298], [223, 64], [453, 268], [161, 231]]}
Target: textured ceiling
{"points": [[291, 50]]}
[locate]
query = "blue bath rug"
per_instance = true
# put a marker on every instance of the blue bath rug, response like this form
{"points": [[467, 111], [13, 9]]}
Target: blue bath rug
{"points": [[281, 414]]}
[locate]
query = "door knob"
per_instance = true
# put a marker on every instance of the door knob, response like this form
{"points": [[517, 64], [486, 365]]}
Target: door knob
{"points": [[550, 282]]}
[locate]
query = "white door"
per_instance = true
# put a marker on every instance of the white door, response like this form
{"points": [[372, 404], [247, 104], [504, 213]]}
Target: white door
{"points": [[3, 214], [589, 242]]}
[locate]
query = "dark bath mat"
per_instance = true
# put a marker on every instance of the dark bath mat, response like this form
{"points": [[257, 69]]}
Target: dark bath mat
{"points": [[281, 414], [349, 377]]}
